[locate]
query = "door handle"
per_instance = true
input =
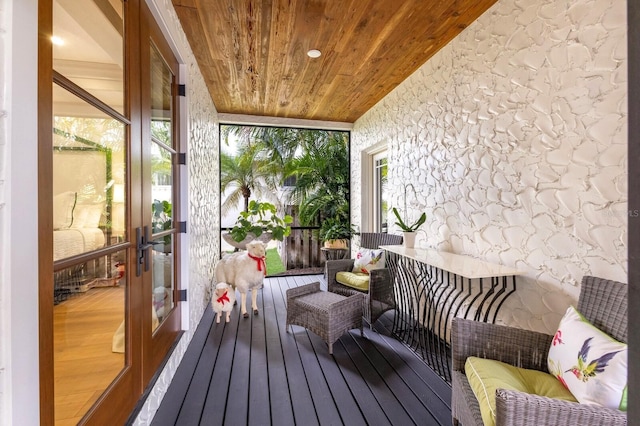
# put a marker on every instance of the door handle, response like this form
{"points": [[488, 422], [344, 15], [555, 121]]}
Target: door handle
{"points": [[142, 249]]}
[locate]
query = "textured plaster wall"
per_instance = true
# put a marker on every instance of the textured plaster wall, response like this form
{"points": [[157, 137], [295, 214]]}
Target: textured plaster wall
{"points": [[203, 204], [514, 137]]}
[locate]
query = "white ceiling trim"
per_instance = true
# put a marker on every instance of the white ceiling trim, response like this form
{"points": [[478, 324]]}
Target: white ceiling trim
{"points": [[256, 120]]}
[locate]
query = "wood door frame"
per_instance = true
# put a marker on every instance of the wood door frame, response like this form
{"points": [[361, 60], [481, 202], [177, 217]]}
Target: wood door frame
{"points": [[125, 390], [45, 216]]}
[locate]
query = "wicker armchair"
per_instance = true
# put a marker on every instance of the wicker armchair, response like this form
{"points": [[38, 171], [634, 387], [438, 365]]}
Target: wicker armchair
{"points": [[379, 297], [602, 302]]}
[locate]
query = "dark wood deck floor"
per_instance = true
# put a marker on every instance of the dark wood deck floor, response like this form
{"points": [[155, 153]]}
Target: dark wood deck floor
{"points": [[251, 371]]}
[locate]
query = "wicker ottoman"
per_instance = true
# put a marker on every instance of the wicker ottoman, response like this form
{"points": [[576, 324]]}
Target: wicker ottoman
{"points": [[329, 315]]}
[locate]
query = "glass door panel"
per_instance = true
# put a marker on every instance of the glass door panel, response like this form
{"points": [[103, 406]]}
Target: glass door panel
{"points": [[90, 153], [160, 195], [163, 283], [162, 154], [89, 169], [88, 47]]}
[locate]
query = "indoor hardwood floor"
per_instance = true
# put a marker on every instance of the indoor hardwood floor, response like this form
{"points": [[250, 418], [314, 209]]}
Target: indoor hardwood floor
{"points": [[84, 363], [252, 372]]}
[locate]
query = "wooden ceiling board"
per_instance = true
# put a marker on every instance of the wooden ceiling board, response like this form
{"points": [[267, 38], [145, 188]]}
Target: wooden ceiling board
{"points": [[191, 24], [253, 57]]}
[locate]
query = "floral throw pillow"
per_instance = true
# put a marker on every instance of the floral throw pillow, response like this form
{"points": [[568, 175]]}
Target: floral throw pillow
{"points": [[591, 364], [367, 260]]}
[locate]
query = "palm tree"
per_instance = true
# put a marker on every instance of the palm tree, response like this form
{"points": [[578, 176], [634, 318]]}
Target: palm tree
{"points": [[317, 159], [279, 144], [244, 174], [264, 145], [322, 177]]}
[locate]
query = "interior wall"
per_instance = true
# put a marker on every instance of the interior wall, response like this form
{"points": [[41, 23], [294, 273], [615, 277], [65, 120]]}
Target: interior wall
{"points": [[515, 138], [201, 142]]}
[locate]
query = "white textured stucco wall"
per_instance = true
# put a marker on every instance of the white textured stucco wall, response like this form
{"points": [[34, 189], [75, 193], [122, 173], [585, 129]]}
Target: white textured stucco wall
{"points": [[514, 136], [203, 217]]}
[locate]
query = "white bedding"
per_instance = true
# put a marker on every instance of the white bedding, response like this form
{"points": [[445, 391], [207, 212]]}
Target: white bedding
{"points": [[73, 241]]}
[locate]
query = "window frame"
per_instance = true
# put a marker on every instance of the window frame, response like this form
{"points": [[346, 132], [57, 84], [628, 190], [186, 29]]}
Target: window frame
{"points": [[376, 190]]}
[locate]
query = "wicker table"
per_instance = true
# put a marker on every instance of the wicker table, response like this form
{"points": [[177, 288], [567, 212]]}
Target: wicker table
{"points": [[329, 315]]}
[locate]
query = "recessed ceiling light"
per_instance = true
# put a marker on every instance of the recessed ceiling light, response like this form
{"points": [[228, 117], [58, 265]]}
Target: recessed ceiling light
{"points": [[58, 41], [314, 53]]}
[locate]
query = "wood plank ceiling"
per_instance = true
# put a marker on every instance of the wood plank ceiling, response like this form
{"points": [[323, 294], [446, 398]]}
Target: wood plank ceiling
{"points": [[253, 54]]}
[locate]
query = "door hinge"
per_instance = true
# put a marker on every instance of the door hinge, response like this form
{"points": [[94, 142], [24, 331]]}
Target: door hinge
{"points": [[182, 158], [182, 295], [182, 227], [182, 90]]}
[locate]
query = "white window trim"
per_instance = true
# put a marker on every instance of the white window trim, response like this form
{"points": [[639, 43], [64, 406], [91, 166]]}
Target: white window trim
{"points": [[375, 202], [367, 184]]}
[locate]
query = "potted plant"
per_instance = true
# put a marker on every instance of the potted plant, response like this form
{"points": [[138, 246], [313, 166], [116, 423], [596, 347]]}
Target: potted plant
{"points": [[335, 233], [258, 222], [409, 231]]}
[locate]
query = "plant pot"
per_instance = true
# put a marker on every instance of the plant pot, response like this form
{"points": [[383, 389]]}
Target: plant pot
{"points": [[409, 239], [265, 237], [335, 244], [242, 245]]}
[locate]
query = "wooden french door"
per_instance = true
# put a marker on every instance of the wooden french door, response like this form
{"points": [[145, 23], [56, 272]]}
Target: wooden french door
{"points": [[160, 226], [109, 282]]}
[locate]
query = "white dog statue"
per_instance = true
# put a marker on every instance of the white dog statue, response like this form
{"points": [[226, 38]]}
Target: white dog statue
{"points": [[244, 270], [224, 297]]}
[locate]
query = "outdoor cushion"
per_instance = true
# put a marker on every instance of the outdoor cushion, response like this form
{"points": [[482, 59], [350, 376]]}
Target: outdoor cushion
{"points": [[591, 364], [357, 280], [367, 260], [487, 375]]}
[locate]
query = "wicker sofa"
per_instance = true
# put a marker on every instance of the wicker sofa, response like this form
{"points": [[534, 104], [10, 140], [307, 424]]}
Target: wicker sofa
{"points": [[602, 302], [379, 298]]}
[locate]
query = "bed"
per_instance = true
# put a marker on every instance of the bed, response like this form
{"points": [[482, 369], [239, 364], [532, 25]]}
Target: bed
{"points": [[77, 230]]}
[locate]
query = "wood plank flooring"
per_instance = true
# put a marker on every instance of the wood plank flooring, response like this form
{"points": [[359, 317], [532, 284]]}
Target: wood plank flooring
{"points": [[84, 364], [251, 371]]}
